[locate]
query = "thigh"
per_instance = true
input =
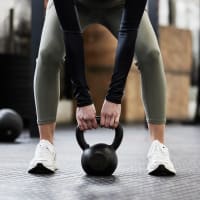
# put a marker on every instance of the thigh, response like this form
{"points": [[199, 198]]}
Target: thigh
{"points": [[112, 19], [52, 41]]}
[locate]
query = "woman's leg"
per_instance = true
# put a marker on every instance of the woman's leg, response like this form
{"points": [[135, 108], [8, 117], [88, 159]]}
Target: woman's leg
{"points": [[152, 71], [46, 89], [47, 74], [153, 88], [153, 79]]}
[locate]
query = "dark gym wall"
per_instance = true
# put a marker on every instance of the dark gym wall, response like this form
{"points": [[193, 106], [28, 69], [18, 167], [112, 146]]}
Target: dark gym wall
{"points": [[37, 23]]}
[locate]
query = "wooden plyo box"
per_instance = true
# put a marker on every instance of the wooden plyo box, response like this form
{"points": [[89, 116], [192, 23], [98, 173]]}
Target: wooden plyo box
{"points": [[100, 48], [98, 81], [176, 48], [99, 45], [178, 86]]}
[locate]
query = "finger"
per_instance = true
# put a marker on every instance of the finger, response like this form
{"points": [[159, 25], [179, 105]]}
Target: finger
{"points": [[89, 124], [112, 122], [107, 121], [116, 122], [79, 124], [83, 125], [94, 123], [103, 119]]}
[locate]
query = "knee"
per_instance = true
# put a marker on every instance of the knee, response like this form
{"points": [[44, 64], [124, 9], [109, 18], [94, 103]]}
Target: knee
{"points": [[153, 56], [49, 58], [151, 59]]}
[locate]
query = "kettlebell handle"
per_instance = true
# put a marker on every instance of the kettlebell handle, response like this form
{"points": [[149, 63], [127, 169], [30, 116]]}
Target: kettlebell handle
{"points": [[116, 142]]}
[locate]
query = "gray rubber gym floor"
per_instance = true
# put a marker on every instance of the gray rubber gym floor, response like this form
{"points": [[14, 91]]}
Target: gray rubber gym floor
{"points": [[130, 180]]}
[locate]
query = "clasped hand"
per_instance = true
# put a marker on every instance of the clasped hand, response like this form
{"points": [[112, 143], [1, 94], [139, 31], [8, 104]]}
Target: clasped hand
{"points": [[110, 114]]}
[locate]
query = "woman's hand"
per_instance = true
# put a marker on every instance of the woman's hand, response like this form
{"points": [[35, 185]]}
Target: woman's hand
{"points": [[86, 117], [110, 114]]}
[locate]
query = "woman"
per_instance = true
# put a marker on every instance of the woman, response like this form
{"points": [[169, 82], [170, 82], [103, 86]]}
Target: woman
{"points": [[152, 77]]}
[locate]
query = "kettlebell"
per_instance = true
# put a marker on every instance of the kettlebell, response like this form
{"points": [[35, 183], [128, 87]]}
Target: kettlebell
{"points": [[99, 159]]}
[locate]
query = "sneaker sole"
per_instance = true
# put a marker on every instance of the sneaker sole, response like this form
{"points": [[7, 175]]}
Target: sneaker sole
{"points": [[40, 169], [162, 171]]}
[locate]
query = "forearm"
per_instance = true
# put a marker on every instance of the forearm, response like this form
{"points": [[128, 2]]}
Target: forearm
{"points": [[131, 17], [67, 15]]}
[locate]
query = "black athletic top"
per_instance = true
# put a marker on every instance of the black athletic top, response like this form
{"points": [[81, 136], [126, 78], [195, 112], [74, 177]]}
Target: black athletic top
{"points": [[131, 16], [101, 3]]}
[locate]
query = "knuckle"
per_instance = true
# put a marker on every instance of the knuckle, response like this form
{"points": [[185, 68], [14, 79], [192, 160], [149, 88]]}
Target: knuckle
{"points": [[81, 117], [85, 118], [90, 118], [103, 113], [115, 114], [110, 114]]}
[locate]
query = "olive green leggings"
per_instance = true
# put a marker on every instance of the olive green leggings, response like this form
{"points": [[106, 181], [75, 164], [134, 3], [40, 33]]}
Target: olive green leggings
{"points": [[51, 55]]}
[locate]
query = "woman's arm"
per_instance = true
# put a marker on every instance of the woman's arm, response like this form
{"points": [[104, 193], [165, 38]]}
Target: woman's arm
{"points": [[67, 14], [132, 13], [111, 109]]}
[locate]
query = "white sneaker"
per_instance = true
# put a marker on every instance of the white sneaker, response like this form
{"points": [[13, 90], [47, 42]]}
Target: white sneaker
{"points": [[44, 160], [159, 163]]}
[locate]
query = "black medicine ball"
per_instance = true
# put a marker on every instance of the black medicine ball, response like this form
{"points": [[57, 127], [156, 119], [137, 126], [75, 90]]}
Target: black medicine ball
{"points": [[11, 125]]}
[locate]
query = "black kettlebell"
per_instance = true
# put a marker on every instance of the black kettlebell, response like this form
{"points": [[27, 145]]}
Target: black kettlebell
{"points": [[99, 159], [11, 125]]}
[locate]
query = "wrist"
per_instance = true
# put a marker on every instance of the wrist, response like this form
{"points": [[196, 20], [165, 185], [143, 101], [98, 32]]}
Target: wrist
{"points": [[82, 97], [113, 100], [83, 104]]}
